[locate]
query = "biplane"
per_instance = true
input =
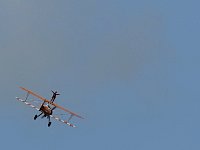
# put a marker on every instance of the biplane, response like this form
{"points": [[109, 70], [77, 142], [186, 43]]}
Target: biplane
{"points": [[47, 107]]}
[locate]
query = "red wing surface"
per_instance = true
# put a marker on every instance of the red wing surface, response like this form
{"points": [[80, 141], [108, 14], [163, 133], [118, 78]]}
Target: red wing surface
{"points": [[36, 95]]}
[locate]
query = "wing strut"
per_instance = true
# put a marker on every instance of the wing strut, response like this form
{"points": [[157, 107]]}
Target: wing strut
{"points": [[27, 95], [70, 117]]}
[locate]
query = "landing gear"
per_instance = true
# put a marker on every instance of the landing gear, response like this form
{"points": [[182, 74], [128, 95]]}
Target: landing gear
{"points": [[49, 124], [35, 117]]}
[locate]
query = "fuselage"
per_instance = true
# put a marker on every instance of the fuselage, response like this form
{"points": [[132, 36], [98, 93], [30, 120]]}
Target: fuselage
{"points": [[46, 110]]}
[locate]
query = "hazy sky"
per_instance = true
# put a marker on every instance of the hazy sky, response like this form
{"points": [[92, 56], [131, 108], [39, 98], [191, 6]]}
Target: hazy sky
{"points": [[131, 68]]}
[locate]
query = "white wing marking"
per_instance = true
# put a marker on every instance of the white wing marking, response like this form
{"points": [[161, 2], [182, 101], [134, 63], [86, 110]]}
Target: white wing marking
{"points": [[63, 121], [29, 104]]}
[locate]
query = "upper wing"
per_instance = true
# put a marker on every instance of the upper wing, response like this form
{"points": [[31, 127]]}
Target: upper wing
{"points": [[36, 95], [66, 110], [56, 105]]}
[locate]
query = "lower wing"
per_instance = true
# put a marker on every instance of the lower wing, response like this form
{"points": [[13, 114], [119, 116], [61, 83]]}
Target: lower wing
{"points": [[63, 121], [29, 104]]}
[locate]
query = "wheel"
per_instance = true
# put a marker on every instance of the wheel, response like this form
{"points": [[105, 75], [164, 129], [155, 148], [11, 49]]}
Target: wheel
{"points": [[35, 117], [49, 124]]}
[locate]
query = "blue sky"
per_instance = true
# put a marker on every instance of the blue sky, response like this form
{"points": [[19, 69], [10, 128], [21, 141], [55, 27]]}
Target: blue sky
{"points": [[129, 67]]}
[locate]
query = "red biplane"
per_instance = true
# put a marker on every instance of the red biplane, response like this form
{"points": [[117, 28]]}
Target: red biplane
{"points": [[47, 107]]}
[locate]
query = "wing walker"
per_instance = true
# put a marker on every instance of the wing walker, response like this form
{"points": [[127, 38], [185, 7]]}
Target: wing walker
{"points": [[47, 107]]}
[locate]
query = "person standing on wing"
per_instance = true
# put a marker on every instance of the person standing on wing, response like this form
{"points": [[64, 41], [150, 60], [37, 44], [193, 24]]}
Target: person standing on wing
{"points": [[54, 95]]}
